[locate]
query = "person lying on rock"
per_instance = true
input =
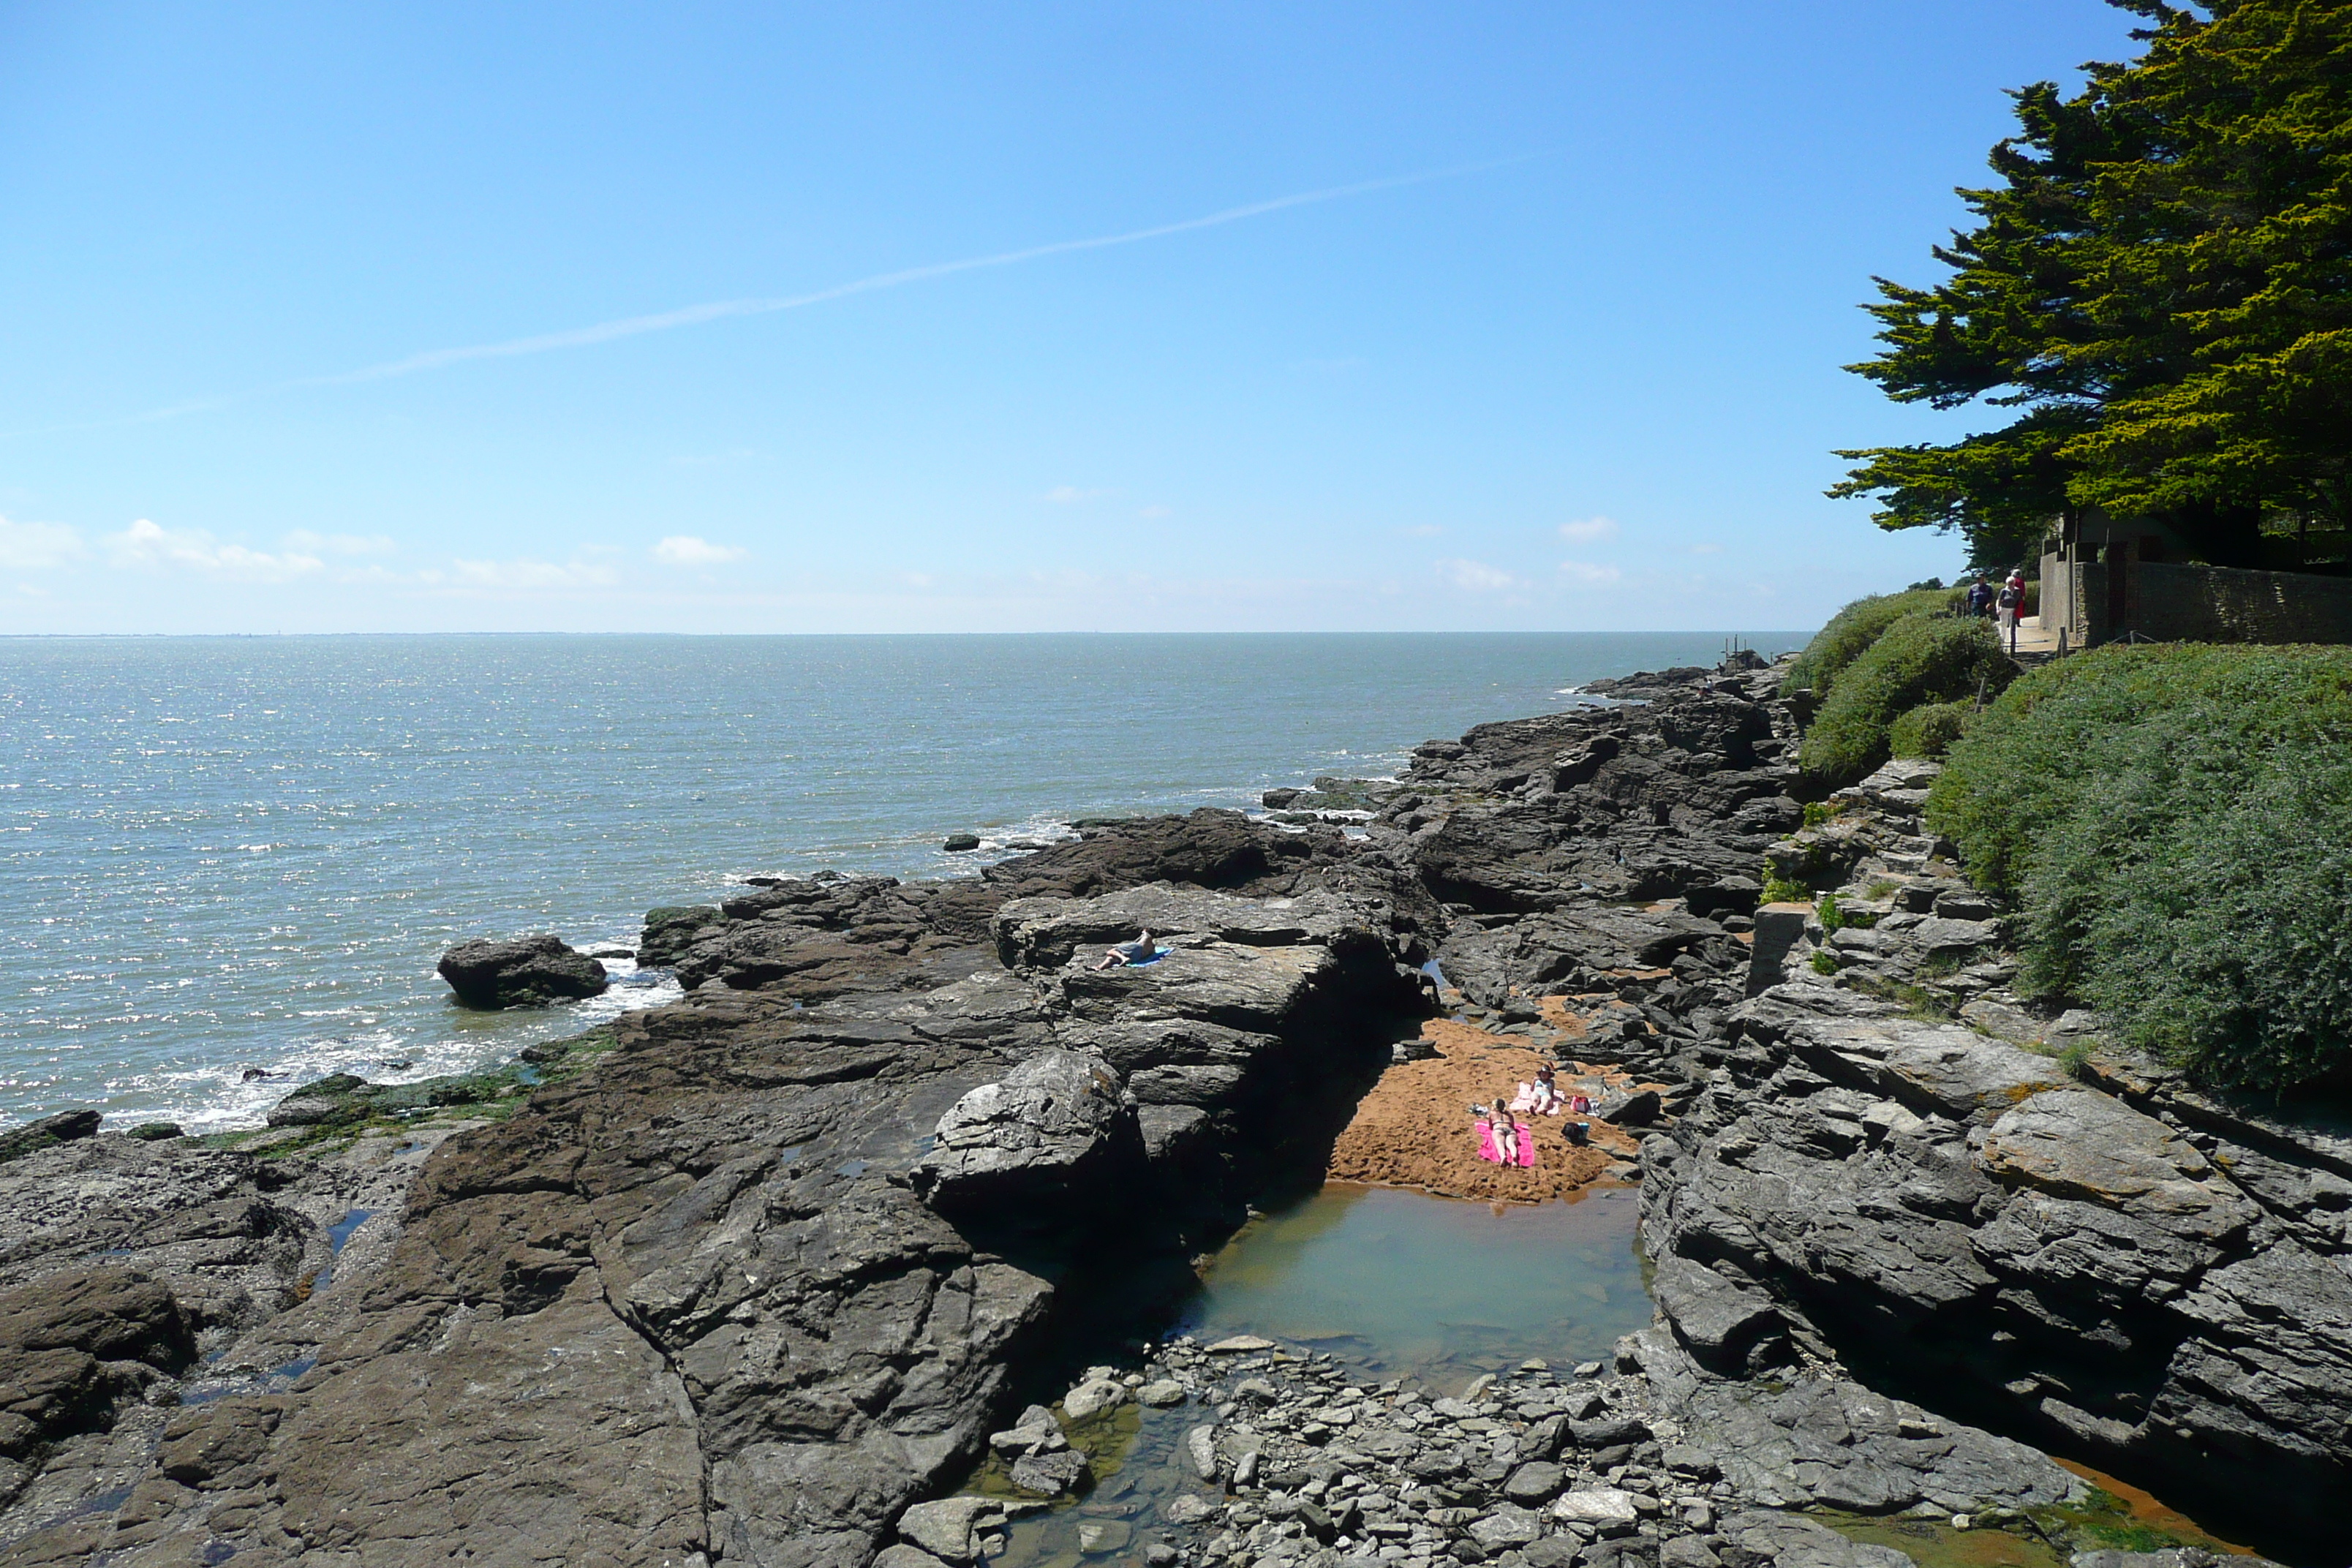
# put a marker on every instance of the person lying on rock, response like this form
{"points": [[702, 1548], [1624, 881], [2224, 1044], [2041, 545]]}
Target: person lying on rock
{"points": [[1140, 950]]}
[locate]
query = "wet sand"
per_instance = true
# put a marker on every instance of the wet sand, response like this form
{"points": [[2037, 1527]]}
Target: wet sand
{"points": [[1414, 1128]]}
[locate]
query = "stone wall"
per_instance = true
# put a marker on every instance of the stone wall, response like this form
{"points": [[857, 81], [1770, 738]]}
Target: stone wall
{"points": [[2221, 603], [2180, 603]]}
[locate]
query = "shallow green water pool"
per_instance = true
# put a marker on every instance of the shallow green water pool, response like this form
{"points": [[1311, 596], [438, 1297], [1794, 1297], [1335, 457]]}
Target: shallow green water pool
{"points": [[1436, 1289], [1397, 1285]]}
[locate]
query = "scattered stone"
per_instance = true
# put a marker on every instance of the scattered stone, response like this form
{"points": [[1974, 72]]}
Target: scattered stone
{"points": [[1606, 1509], [1096, 1394], [1105, 1535], [1050, 1475], [1506, 1525], [1535, 1483], [947, 1529]]}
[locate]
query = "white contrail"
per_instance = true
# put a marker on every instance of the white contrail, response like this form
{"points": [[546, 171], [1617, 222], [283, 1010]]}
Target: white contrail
{"points": [[695, 315]]}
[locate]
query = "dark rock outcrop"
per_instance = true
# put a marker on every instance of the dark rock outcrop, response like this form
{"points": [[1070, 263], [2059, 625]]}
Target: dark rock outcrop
{"points": [[48, 1132], [1053, 1132], [524, 972], [2120, 1268], [769, 1272]]}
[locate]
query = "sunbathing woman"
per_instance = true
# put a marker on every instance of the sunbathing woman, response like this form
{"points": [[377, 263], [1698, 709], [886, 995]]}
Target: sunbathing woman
{"points": [[1515, 1141], [1140, 950]]}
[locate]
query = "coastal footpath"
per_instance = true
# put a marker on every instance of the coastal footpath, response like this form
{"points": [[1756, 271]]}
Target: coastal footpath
{"points": [[762, 1276]]}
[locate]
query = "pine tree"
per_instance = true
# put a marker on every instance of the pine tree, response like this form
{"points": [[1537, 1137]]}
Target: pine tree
{"points": [[2161, 282]]}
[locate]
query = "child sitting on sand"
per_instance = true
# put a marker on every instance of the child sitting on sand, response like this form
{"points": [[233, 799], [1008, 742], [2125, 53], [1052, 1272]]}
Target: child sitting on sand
{"points": [[1543, 1097]]}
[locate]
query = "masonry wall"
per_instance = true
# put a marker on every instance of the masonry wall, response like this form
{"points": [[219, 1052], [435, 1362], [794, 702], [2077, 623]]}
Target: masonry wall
{"points": [[2223, 604]]}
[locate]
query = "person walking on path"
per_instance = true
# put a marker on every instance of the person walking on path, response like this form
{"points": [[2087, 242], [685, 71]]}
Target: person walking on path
{"points": [[2012, 605]]}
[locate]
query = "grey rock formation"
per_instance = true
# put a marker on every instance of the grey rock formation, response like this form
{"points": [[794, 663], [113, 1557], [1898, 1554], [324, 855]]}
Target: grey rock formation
{"points": [[2148, 1276], [46, 1132], [759, 1282], [523, 971], [1053, 1128]]}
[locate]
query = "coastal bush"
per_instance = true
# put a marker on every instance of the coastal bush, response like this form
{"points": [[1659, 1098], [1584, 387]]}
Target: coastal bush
{"points": [[2175, 824], [1929, 729], [1918, 660], [1853, 629]]}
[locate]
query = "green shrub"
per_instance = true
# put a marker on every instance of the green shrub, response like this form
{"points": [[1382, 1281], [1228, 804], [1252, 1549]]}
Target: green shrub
{"points": [[1918, 660], [2176, 824], [1929, 729], [1853, 629]]}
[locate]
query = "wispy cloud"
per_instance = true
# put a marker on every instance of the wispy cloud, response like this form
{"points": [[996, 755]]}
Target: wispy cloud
{"points": [[685, 549], [1421, 530], [1070, 495], [523, 576], [31, 546], [147, 545], [1591, 572], [1477, 577], [311, 544], [1585, 530], [722, 310]]}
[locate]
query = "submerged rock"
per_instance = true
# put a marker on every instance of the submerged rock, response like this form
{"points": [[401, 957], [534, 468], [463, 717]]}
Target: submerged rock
{"points": [[1050, 1475], [523, 971]]}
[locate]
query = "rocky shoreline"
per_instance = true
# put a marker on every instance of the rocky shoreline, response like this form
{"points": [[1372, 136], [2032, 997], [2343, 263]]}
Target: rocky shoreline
{"points": [[746, 1278]]}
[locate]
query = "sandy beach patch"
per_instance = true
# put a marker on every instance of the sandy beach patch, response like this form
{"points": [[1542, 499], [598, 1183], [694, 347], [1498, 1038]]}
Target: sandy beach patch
{"points": [[1414, 1128]]}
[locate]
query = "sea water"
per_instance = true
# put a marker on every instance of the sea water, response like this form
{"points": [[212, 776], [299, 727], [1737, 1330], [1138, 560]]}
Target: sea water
{"points": [[225, 857]]}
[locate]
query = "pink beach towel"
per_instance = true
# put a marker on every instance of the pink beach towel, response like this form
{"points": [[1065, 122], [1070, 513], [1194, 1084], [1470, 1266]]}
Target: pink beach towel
{"points": [[1487, 1149]]}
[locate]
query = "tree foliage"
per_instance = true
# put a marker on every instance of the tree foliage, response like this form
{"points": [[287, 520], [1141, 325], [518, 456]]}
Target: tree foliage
{"points": [[1919, 658], [2159, 282], [1852, 631], [2177, 825], [1929, 729]]}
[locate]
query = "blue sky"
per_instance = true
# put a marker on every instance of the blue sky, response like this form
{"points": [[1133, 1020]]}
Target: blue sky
{"points": [[1513, 316]]}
